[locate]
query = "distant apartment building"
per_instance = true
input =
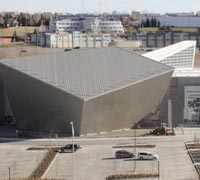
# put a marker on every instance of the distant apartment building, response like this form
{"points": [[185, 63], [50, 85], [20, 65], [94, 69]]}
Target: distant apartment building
{"points": [[71, 40], [90, 24]]}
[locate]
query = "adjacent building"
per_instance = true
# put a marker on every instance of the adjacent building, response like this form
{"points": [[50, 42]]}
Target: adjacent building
{"points": [[182, 100]]}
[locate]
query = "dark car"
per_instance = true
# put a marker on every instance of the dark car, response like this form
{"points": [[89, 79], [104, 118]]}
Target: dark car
{"points": [[77, 47], [69, 148], [123, 154], [68, 49]]}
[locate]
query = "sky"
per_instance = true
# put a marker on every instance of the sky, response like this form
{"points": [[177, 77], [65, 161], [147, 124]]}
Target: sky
{"points": [[76, 6]]}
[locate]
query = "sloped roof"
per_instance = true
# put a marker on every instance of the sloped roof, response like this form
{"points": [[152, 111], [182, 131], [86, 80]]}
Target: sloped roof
{"points": [[170, 50], [87, 73]]}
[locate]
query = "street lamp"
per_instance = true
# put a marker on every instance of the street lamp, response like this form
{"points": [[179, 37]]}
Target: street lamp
{"points": [[158, 162], [9, 175], [72, 126], [134, 169]]}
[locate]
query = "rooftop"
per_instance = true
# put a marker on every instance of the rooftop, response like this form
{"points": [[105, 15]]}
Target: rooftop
{"points": [[87, 73], [170, 50]]}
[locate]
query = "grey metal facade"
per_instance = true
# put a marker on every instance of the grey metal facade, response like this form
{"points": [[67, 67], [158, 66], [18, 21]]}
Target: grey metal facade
{"points": [[98, 89], [177, 95]]}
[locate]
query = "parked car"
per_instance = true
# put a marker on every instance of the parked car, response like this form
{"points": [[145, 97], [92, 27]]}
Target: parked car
{"points": [[69, 148], [123, 154], [147, 156], [68, 49], [77, 47]]}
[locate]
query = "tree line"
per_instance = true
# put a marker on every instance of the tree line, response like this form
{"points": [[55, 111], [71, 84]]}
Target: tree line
{"points": [[9, 19], [153, 22]]}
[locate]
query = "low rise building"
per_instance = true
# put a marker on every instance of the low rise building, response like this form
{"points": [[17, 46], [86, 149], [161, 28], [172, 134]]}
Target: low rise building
{"points": [[71, 40], [162, 39]]}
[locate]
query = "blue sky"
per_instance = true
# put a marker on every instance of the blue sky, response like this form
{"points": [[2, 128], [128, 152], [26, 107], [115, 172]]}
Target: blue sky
{"points": [[75, 6]]}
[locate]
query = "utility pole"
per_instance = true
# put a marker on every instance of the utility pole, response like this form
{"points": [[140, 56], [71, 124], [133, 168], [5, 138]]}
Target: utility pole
{"points": [[83, 6], [72, 126], [158, 170], [100, 8], [134, 169]]}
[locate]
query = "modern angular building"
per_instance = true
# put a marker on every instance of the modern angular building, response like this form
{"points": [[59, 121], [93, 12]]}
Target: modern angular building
{"points": [[97, 89]]}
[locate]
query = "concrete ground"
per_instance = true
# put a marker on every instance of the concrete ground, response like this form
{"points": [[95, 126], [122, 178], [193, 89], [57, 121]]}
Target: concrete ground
{"points": [[20, 161], [96, 161]]}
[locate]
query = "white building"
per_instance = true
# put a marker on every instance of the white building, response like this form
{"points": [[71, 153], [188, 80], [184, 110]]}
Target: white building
{"points": [[90, 24], [66, 25], [180, 55], [113, 27]]}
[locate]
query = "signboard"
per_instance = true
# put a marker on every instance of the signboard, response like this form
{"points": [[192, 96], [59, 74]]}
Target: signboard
{"points": [[192, 103]]}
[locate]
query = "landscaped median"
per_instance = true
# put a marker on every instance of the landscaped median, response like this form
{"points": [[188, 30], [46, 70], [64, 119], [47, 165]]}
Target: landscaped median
{"points": [[133, 145], [33, 179], [131, 175], [43, 165], [193, 148]]}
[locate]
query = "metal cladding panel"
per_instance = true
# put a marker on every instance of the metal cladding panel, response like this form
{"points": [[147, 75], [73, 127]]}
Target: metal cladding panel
{"points": [[87, 73], [38, 106], [124, 107]]}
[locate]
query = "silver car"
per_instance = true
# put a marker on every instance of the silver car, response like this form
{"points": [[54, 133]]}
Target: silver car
{"points": [[147, 156]]}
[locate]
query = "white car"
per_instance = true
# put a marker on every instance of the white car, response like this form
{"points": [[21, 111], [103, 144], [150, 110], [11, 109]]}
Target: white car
{"points": [[147, 156]]}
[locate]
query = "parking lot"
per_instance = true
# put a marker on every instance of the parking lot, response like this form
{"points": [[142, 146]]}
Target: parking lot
{"points": [[96, 159], [94, 162]]}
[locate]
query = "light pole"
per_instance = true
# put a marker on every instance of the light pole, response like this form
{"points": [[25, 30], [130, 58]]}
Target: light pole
{"points": [[135, 149], [72, 126], [158, 169], [2, 38], [9, 175]]}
